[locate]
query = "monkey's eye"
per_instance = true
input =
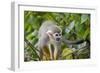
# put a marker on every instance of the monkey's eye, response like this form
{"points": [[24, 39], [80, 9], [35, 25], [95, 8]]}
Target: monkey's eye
{"points": [[56, 34], [59, 34]]}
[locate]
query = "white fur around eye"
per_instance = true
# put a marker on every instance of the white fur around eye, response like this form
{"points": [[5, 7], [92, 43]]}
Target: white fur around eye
{"points": [[56, 34]]}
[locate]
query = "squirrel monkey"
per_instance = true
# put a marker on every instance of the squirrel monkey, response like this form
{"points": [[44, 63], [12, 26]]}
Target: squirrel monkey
{"points": [[50, 36]]}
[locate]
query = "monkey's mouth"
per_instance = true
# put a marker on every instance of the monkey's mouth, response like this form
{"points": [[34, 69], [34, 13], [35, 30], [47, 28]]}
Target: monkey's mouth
{"points": [[57, 39]]}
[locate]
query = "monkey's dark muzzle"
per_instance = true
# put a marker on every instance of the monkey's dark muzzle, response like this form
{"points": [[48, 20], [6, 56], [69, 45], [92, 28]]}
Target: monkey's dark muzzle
{"points": [[57, 39]]}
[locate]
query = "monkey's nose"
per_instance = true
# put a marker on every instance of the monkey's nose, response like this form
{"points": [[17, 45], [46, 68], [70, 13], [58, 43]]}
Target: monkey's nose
{"points": [[57, 39]]}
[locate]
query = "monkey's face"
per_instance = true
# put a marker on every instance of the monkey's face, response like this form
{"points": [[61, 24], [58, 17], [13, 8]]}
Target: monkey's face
{"points": [[54, 37], [57, 37]]}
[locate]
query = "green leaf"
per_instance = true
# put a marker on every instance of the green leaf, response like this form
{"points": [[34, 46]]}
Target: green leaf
{"points": [[86, 33], [67, 53], [84, 17], [70, 27]]}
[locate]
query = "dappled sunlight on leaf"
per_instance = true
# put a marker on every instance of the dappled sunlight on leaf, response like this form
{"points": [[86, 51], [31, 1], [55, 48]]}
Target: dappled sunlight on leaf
{"points": [[84, 17], [67, 53]]}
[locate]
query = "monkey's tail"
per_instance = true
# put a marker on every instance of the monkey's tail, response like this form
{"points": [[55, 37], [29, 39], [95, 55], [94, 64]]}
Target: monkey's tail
{"points": [[72, 42]]}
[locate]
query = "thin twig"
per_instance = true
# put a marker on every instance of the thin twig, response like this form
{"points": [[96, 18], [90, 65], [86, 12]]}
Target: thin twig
{"points": [[31, 46]]}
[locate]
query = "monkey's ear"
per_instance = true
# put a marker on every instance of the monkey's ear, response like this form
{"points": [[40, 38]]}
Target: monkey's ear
{"points": [[49, 33]]}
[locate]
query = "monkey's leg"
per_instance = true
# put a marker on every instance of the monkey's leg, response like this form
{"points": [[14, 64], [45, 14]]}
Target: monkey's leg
{"points": [[51, 50], [59, 54], [55, 53]]}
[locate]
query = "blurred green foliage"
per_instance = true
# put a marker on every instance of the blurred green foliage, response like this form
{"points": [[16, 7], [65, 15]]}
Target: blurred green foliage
{"points": [[74, 26]]}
